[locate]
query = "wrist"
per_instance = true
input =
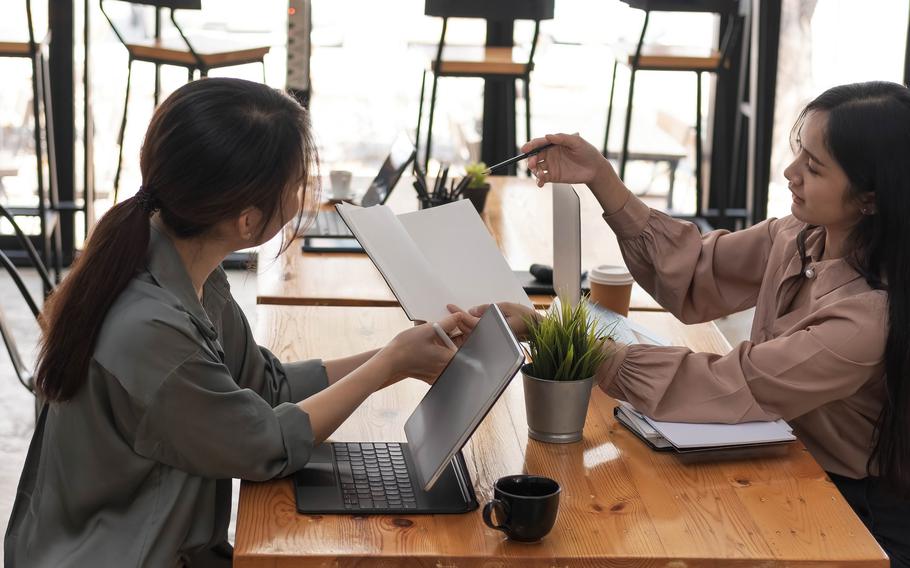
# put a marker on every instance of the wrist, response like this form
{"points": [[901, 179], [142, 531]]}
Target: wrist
{"points": [[608, 189], [389, 369]]}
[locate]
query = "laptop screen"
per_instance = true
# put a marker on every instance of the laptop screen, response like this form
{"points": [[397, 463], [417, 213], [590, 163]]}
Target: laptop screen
{"points": [[402, 153], [462, 395]]}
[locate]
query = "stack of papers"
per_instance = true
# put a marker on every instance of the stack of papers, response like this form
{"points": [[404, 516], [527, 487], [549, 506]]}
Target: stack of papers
{"points": [[696, 437]]}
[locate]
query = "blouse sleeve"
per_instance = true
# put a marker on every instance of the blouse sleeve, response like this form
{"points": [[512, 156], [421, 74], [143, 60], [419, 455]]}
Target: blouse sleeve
{"points": [[199, 420], [828, 359], [256, 368], [695, 277]]}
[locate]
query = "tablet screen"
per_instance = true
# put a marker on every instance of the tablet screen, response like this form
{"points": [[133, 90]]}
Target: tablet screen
{"points": [[462, 395]]}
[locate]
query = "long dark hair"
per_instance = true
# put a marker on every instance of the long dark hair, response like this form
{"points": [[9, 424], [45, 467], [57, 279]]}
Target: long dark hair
{"points": [[214, 148], [868, 133]]}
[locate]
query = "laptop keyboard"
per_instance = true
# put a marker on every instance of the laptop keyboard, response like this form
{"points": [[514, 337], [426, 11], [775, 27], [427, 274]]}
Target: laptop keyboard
{"points": [[374, 475], [329, 224]]}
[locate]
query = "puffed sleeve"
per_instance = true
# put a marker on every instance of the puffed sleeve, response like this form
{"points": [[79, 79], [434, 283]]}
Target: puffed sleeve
{"points": [[695, 277], [256, 368], [838, 350], [200, 421]]}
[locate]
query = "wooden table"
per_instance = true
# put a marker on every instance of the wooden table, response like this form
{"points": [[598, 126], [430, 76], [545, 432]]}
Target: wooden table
{"points": [[622, 504], [518, 214]]}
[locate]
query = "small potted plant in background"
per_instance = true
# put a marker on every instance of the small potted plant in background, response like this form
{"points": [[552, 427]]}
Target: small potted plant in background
{"points": [[566, 348], [478, 187]]}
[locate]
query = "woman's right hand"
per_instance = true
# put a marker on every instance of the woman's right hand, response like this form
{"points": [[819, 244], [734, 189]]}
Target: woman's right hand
{"points": [[571, 160], [517, 316], [419, 353], [574, 160]]}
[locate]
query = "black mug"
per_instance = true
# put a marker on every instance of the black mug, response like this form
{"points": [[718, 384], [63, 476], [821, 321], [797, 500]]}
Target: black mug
{"points": [[526, 506]]}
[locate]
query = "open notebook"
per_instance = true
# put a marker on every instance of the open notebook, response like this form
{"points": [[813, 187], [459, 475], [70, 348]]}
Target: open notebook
{"points": [[698, 437], [433, 257]]}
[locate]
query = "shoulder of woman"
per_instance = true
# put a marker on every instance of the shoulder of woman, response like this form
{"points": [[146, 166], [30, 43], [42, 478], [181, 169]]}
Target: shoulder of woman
{"points": [[145, 336]]}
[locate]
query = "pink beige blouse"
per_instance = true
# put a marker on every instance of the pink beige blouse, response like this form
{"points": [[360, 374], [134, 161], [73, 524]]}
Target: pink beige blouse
{"points": [[816, 353]]}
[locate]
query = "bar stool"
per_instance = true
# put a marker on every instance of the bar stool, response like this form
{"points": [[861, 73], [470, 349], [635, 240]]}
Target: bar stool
{"points": [[200, 55], [666, 58], [486, 62], [48, 203]]}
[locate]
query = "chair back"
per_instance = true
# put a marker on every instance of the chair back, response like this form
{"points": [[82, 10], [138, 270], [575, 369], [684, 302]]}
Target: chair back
{"points": [[23, 372]]}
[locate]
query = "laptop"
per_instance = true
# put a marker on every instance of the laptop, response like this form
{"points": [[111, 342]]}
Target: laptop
{"points": [[426, 475], [566, 250], [328, 233], [567, 279]]}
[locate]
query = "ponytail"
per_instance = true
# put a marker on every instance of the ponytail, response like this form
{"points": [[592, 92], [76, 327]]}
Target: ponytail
{"points": [[72, 316]]}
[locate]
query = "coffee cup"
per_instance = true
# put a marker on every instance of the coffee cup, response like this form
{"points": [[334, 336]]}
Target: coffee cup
{"points": [[525, 506], [341, 184], [611, 287]]}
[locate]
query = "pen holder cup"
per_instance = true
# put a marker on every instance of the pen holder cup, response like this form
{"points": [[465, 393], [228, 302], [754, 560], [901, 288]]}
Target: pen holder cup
{"points": [[477, 195], [427, 202]]}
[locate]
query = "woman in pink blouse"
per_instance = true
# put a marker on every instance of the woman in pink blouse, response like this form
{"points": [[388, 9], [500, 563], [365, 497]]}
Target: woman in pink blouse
{"points": [[830, 344]]}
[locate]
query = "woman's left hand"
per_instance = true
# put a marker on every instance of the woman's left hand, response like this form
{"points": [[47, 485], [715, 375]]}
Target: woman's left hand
{"points": [[420, 353]]}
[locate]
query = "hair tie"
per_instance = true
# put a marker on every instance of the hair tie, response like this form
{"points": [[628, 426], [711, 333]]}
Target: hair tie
{"points": [[145, 200]]}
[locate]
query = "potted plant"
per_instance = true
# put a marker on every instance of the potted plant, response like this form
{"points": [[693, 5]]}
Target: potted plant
{"points": [[566, 347], [478, 187]]}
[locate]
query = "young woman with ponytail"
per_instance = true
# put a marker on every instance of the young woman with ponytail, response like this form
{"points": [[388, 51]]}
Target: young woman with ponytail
{"points": [[830, 344], [156, 393]]}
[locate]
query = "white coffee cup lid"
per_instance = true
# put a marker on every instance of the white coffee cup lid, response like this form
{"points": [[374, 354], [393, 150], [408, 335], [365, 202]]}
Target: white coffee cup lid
{"points": [[611, 275]]}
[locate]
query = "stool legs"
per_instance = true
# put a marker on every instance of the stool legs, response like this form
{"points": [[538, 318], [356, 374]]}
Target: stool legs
{"points": [[423, 88], [698, 147], [527, 86], [126, 103], [610, 110], [623, 158], [426, 162]]}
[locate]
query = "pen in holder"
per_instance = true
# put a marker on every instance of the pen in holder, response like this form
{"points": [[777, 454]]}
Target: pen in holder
{"points": [[439, 194]]}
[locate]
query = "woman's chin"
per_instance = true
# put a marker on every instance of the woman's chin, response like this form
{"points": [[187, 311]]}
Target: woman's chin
{"points": [[797, 211]]}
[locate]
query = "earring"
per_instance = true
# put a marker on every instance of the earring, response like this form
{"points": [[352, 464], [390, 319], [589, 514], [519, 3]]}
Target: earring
{"points": [[248, 236], [865, 211]]}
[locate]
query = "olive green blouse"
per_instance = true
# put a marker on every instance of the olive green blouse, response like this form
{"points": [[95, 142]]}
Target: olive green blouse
{"points": [[136, 469]]}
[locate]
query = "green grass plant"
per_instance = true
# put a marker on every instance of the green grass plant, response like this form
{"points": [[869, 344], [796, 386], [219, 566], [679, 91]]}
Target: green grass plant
{"points": [[564, 344]]}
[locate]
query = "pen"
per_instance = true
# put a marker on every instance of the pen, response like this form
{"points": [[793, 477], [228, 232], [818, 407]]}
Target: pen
{"points": [[444, 336], [421, 192], [442, 184], [459, 189], [519, 157]]}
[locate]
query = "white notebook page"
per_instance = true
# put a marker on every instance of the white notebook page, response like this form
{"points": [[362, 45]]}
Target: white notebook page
{"points": [[458, 245], [414, 281]]}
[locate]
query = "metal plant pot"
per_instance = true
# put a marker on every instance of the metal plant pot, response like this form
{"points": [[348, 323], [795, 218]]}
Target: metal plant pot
{"points": [[556, 410]]}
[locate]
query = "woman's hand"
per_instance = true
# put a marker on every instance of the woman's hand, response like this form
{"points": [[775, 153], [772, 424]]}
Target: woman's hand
{"points": [[420, 353], [573, 160], [516, 316]]}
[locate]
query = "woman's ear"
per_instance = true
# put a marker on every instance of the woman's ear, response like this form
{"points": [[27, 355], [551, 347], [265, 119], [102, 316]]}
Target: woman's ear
{"points": [[867, 203], [249, 223]]}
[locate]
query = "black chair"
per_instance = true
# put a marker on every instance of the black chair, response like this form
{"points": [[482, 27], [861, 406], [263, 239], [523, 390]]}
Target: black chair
{"points": [[665, 58], [47, 209], [201, 54], [484, 62], [24, 373]]}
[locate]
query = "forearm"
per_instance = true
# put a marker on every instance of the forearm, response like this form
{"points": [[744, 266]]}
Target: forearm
{"points": [[330, 407], [338, 368]]}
